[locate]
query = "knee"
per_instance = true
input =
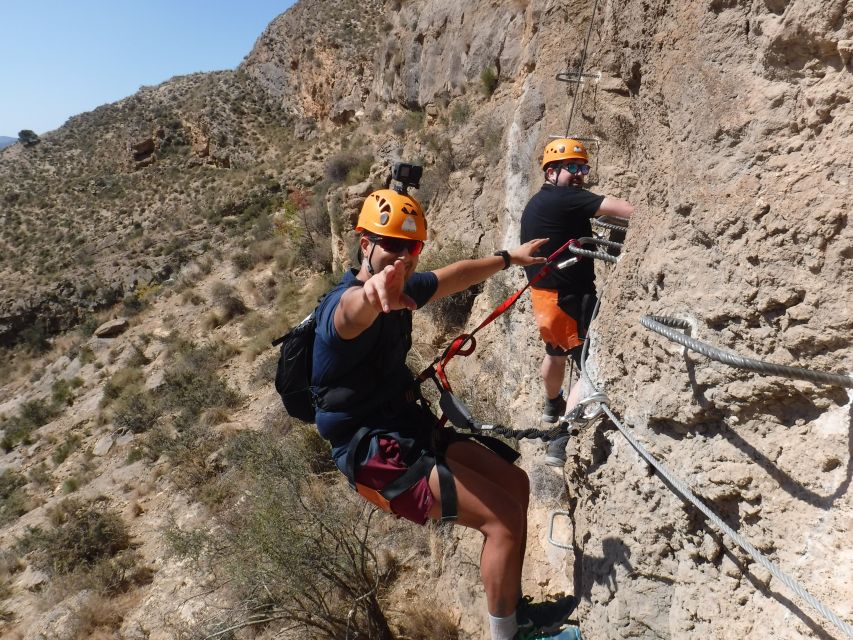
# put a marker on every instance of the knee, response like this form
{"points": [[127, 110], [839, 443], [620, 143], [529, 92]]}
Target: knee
{"points": [[509, 525]]}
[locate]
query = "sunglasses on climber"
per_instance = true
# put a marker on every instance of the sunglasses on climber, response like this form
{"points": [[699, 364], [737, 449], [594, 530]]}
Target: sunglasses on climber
{"points": [[398, 245], [574, 168]]}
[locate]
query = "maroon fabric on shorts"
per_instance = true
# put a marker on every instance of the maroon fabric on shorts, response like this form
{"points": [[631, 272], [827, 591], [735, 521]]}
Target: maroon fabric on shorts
{"points": [[386, 466]]}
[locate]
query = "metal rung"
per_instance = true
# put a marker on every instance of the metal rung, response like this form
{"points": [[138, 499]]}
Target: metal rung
{"points": [[575, 76], [554, 515], [593, 140]]}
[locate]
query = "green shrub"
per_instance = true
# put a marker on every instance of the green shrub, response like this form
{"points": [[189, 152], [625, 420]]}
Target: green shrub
{"points": [[13, 497], [449, 313], [19, 429], [244, 261], [136, 411], [83, 535], [65, 449], [460, 113], [488, 81], [35, 337], [348, 168], [62, 391]]}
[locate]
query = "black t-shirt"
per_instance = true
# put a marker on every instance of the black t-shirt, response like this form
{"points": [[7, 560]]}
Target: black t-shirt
{"points": [[560, 214]]}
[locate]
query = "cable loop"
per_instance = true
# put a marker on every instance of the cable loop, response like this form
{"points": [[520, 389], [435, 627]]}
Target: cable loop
{"points": [[667, 325]]}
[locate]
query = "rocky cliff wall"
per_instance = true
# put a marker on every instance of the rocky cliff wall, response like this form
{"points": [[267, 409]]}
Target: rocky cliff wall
{"points": [[726, 123]]}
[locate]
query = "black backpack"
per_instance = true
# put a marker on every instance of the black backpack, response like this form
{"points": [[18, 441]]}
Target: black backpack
{"points": [[293, 375]]}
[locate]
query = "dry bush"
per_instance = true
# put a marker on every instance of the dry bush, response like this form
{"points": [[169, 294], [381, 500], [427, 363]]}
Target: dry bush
{"points": [[97, 618], [190, 275], [83, 535], [228, 301], [426, 619], [295, 546], [122, 381]]}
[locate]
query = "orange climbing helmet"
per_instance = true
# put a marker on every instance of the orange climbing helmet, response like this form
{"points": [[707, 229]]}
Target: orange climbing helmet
{"points": [[397, 215], [564, 149]]}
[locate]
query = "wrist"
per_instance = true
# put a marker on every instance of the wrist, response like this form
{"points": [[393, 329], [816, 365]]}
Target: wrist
{"points": [[503, 253]]}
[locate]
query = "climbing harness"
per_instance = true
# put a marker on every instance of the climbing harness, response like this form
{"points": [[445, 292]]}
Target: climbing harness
{"points": [[667, 325], [452, 408]]}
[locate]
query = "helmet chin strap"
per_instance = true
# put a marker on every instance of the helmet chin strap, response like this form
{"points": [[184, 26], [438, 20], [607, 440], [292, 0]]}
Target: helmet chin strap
{"points": [[370, 261]]}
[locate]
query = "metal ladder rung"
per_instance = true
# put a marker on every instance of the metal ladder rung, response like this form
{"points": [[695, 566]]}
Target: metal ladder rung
{"points": [[577, 77], [582, 139]]}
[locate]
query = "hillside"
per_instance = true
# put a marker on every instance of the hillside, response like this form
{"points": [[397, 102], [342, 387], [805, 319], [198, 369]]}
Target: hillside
{"points": [[152, 487], [5, 141]]}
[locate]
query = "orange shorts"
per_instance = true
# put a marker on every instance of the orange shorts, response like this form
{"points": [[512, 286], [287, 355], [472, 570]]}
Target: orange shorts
{"points": [[557, 328]]}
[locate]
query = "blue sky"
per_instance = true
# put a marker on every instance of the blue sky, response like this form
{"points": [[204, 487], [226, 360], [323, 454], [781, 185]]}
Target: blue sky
{"points": [[59, 58]]}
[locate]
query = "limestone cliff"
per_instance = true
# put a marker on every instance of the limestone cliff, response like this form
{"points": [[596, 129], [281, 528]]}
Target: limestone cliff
{"points": [[725, 122]]}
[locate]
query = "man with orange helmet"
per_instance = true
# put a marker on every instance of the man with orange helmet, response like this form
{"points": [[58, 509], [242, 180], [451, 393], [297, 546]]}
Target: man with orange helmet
{"points": [[564, 299], [382, 438]]}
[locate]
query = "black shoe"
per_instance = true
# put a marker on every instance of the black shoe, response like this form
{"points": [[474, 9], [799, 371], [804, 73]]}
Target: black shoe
{"points": [[554, 409], [545, 616], [555, 454]]}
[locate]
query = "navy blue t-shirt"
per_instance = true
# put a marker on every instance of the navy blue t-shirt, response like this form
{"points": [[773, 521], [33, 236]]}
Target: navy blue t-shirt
{"points": [[560, 214], [369, 369]]}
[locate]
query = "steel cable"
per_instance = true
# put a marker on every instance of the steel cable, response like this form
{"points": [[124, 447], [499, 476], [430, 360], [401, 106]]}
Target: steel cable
{"points": [[684, 491], [754, 553], [579, 88], [607, 225], [598, 255], [667, 327]]}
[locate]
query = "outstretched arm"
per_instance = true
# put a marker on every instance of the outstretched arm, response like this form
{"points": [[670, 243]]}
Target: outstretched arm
{"points": [[458, 276], [360, 306], [611, 206]]}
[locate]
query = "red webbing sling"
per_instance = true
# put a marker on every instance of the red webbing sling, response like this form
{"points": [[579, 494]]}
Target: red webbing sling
{"points": [[457, 347]]}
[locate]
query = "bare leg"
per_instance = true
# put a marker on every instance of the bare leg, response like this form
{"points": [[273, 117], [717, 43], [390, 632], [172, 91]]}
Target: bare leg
{"points": [[485, 503], [574, 395], [553, 371], [488, 464]]}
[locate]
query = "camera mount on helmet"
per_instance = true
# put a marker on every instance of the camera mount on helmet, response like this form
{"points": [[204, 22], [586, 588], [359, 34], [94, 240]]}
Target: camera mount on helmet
{"points": [[406, 175]]}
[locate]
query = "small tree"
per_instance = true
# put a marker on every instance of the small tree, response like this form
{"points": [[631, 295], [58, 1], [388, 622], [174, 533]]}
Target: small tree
{"points": [[28, 137]]}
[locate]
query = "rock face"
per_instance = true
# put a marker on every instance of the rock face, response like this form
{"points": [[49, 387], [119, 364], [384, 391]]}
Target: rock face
{"points": [[112, 328], [727, 123]]}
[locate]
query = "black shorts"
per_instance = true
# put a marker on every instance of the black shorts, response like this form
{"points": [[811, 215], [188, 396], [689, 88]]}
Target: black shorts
{"points": [[574, 352]]}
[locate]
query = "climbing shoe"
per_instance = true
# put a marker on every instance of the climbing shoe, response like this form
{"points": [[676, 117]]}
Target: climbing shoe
{"points": [[555, 454], [545, 615], [554, 409], [569, 633]]}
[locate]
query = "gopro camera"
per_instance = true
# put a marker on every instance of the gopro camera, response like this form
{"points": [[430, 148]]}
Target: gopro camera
{"points": [[408, 175]]}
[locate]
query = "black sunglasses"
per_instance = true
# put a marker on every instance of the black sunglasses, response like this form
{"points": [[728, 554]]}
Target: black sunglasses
{"points": [[575, 168], [398, 245]]}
